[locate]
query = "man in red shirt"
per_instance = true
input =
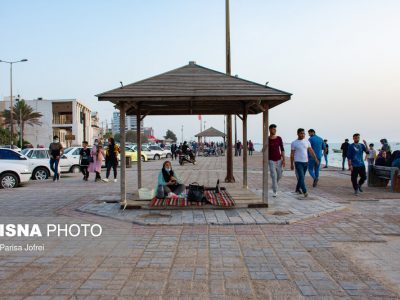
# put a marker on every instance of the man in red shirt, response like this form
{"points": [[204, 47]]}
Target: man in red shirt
{"points": [[276, 156]]}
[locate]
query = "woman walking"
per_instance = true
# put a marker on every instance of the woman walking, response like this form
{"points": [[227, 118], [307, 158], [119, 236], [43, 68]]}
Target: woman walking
{"points": [[111, 159], [97, 155]]}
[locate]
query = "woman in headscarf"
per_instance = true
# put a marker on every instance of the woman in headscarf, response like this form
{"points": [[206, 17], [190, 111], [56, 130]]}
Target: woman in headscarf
{"points": [[169, 184], [97, 156], [111, 158]]}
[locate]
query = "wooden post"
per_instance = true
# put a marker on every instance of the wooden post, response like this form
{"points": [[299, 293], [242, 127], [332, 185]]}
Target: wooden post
{"points": [[139, 148], [265, 155], [122, 112], [245, 146], [229, 160]]}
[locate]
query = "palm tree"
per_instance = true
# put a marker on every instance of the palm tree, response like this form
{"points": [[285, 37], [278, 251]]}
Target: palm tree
{"points": [[23, 114]]}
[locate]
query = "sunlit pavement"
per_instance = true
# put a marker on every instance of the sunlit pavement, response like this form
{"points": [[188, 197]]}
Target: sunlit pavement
{"points": [[350, 253]]}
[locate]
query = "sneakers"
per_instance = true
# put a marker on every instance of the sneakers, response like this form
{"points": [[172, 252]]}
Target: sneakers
{"points": [[315, 182], [172, 195], [274, 194], [356, 193], [305, 195], [105, 180], [115, 180], [299, 192]]}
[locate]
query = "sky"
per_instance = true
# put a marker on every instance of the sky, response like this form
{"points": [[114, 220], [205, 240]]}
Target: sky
{"points": [[340, 59]]}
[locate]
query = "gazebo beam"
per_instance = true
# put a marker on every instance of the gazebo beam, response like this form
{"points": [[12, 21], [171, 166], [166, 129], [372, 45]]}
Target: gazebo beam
{"points": [[245, 146], [139, 148], [123, 158], [265, 155]]}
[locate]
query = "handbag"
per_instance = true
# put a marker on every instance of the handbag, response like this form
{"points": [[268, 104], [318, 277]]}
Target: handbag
{"points": [[196, 192]]}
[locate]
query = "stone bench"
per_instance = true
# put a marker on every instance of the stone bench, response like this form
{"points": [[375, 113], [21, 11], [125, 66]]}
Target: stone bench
{"points": [[379, 176]]}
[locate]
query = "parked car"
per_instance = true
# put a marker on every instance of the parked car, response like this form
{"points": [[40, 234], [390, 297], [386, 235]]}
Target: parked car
{"points": [[41, 156], [13, 174], [11, 147], [133, 154], [156, 152]]}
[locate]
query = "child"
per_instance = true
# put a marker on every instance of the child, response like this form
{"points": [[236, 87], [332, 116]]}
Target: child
{"points": [[371, 156], [84, 160]]}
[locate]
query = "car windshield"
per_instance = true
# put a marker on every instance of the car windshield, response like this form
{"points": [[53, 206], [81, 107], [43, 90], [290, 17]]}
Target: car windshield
{"points": [[25, 151], [66, 150]]}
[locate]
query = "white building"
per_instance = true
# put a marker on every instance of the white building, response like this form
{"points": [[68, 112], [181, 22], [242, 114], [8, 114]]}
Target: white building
{"points": [[69, 119], [130, 123]]}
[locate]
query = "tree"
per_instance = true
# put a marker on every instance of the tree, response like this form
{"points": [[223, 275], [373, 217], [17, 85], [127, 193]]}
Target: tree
{"points": [[170, 135], [117, 137], [22, 114], [130, 137], [5, 136]]}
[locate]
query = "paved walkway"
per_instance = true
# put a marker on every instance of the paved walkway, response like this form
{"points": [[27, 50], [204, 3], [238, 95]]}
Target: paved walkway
{"points": [[334, 256]]}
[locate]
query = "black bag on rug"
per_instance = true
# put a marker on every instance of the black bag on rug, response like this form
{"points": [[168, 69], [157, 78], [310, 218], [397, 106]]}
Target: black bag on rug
{"points": [[196, 192]]}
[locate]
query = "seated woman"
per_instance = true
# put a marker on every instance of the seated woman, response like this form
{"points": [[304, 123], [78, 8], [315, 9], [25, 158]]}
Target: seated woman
{"points": [[169, 184], [381, 160]]}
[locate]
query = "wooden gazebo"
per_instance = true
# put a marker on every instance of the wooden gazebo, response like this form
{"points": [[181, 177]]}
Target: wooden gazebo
{"points": [[195, 90], [210, 132]]}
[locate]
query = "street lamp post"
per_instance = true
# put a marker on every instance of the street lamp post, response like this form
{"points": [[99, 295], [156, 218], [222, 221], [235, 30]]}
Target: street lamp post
{"points": [[20, 124], [11, 99]]}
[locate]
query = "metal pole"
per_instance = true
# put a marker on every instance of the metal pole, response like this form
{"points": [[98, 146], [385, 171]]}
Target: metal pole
{"points": [[229, 159], [11, 108], [236, 139]]}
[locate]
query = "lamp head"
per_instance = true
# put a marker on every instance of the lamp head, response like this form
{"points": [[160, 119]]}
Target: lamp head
{"points": [[22, 60]]}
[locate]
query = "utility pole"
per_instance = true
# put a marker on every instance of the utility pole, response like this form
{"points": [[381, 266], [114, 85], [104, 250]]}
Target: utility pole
{"points": [[182, 134], [229, 159]]}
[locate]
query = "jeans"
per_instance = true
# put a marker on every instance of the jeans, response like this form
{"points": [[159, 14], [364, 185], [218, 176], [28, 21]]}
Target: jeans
{"points": [[85, 172], [326, 160], [54, 167], [301, 169], [313, 168], [354, 176], [177, 189], [343, 161], [396, 163], [111, 164], [275, 169]]}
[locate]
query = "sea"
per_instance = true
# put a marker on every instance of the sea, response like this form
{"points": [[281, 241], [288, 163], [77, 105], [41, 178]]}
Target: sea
{"points": [[334, 159]]}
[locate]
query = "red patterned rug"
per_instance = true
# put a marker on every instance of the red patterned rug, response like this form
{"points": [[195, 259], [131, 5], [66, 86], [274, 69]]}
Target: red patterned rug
{"points": [[222, 199]]}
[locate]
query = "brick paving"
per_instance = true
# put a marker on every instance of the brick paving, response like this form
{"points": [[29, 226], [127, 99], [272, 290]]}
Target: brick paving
{"points": [[345, 254]]}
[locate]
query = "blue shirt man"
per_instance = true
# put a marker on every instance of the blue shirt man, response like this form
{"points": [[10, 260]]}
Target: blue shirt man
{"points": [[356, 162], [318, 145], [355, 154]]}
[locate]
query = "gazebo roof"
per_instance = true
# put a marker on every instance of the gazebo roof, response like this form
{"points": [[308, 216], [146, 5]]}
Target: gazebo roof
{"points": [[210, 132], [193, 90]]}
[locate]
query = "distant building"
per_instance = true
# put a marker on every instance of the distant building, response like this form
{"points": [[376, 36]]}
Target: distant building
{"points": [[148, 131], [130, 123], [95, 126], [69, 119]]}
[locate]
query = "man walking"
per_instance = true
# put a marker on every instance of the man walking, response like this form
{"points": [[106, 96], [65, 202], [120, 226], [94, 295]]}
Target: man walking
{"points": [[55, 152], [326, 152], [318, 146], [299, 159], [344, 148], [276, 155], [356, 162]]}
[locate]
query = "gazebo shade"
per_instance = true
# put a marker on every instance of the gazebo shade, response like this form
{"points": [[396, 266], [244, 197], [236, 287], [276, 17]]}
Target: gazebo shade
{"points": [[194, 90], [210, 132]]}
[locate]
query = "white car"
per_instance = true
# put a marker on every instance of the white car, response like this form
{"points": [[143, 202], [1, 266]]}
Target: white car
{"points": [[14, 168], [159, 152], [41, 158]]}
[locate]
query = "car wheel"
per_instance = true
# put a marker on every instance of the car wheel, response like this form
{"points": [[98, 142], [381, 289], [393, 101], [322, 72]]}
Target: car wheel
{"points": [[143, 159], [156, 157], [74, 169], [169, 155], [41, 174], [8, 180]]}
